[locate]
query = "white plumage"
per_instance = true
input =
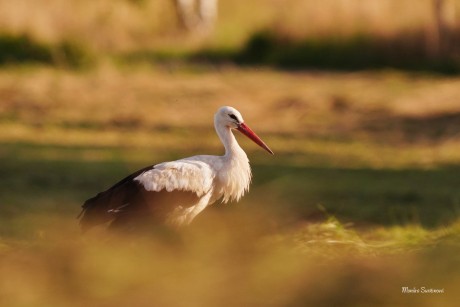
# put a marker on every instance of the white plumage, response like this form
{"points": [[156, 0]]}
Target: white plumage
{"points": [[186, 175], [175, 192]]}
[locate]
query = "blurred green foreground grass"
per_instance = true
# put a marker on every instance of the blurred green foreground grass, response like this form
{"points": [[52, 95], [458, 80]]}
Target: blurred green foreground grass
{"points": [[360, 200]]}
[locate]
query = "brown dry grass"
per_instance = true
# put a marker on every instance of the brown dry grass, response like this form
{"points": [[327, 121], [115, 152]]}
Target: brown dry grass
{"points": [[126, 25], [227, 262], [61, 131], [345, 18], [303, 112], [66, 134]]}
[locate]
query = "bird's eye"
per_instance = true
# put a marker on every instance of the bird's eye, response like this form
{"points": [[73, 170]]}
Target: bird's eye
{"points": [[233, 116]]}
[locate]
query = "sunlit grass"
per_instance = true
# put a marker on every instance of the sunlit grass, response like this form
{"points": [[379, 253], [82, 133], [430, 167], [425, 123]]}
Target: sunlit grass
{"points": [[238, 262], [106, 26], [360, 199], [345, 120]]}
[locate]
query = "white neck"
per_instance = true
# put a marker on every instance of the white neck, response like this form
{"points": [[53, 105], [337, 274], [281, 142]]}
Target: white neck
{"points": [[235, 174], [232, 148]]}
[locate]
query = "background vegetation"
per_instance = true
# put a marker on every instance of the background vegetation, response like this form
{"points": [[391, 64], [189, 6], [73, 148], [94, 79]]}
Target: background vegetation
{"points": [[359, 101]]}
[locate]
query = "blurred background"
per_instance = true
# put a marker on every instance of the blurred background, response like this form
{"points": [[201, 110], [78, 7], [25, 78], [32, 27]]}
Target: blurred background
{"points": [[358, 99]]}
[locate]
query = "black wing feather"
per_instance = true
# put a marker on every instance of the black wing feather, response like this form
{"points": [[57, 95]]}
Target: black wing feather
{"points": [[123, 196]]}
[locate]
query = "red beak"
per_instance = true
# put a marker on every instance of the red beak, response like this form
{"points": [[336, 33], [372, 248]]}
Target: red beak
{"points": [[243, 128]]}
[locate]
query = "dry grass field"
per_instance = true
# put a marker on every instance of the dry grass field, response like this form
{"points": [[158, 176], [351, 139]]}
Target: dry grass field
{"points": [[127, 25], [360, 199]]}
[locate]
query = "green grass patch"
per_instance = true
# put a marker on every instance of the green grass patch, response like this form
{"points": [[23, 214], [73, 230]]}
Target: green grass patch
{"points": [[22, 49], [364, 196], [406, 51]]}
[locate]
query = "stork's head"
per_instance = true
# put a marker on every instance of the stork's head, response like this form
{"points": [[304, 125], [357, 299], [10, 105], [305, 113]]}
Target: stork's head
{"points": [[231, 118]]}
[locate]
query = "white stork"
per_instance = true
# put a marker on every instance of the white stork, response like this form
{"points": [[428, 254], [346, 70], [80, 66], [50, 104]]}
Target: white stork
{"points": [[174, 193]]}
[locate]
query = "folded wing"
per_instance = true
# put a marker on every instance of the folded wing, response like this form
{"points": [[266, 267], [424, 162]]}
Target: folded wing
{"points": [[154, 192]]}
